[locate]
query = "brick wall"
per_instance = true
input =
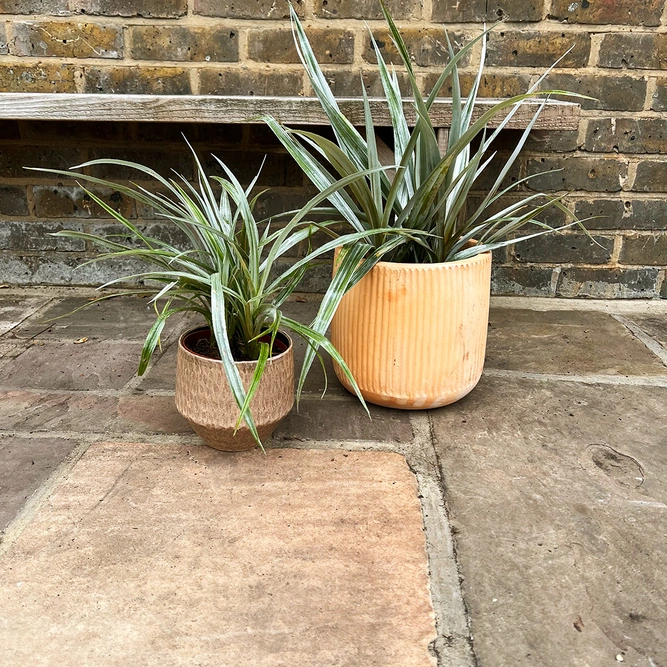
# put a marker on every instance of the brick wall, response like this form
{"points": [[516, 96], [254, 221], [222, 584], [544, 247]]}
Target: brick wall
{"points": [[613, 166]]}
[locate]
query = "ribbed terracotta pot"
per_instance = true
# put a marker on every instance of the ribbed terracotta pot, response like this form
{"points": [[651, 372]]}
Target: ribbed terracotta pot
{"points": [[414, 335], [204, 398]]}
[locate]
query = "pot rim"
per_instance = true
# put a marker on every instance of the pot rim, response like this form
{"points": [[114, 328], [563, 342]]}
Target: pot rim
{"points": [[430, 266], [426, 266], [241, 364]]}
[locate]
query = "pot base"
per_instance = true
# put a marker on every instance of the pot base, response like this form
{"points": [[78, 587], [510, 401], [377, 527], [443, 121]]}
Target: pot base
{"points": [[225, 440], [407, 402]]}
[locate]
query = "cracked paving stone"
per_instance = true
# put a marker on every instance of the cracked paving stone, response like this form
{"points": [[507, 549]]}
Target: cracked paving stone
{"points": [[15, 309], [25, 463]]}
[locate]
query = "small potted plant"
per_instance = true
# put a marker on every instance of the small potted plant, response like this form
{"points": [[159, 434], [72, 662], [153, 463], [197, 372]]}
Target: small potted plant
{"points": [[413, 330], [235, 374]]}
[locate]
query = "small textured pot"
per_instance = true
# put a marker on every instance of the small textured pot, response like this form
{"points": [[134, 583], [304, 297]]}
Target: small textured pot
{"points": [[414, 335], [204, 398]]}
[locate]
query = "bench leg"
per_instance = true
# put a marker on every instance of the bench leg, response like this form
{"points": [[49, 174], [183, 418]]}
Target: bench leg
{"points": [[443, 140]]}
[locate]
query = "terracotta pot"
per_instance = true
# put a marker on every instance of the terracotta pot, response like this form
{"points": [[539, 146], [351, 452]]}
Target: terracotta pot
{"points": [[414, 335], [204, 398]]}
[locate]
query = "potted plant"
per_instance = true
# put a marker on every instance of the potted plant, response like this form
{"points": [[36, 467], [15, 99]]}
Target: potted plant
{"points": [[413, 330], [235, 375]]}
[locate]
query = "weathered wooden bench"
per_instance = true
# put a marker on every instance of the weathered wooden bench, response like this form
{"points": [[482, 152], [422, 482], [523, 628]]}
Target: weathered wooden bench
{"points": [[556, 115]]}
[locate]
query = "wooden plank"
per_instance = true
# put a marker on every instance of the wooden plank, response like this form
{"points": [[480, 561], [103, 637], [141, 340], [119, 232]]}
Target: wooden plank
{"points": [[226, 109]]}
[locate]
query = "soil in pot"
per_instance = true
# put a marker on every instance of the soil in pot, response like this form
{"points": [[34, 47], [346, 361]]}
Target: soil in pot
{"points": [[202, 342]]}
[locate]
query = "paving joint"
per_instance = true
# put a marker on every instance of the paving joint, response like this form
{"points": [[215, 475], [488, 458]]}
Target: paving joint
{"points": [[627, 380], [128, 391], [609, 306], [453, 646], [139, 391], [641, 335], [43, 492]]}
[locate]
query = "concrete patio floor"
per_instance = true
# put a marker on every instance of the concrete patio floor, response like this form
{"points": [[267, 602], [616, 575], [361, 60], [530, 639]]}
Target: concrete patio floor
{"points": [[524, 526]]}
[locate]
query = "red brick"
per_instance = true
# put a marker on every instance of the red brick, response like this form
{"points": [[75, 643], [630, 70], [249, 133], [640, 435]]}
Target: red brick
{"points": [[250, 82], [139, 8], [604, 283], [330, 45], [71, 201], [427, 46], [568, 248], [66, 40], [32, 235], [634, 51], [626, 135], [622, 12], [613, 93], [651, 176], [38, 78], [452, 11], [577, 173], [182, 43], [13, 200], [644, 250], [52, 7], [252, 9], [137, 80], [367, 9], [493, 84], [532, 48]]}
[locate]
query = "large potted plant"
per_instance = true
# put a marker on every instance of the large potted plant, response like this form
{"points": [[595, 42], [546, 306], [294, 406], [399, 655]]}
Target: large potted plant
{"points": [[235, 374], [413, 329]]}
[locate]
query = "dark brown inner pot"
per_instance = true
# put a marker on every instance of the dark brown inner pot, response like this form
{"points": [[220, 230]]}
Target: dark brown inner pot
{"points": [[196, 341]]}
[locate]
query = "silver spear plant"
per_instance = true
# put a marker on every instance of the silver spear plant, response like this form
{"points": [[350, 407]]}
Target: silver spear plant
{"points": [[424, 192], [231, 272]]}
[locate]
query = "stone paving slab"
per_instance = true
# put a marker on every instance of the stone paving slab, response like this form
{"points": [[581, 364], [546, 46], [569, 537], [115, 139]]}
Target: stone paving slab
{"points": [[654, 325], [344, 419], [125, 318], [162, 375], [557, 495], [167, 555], [60, 365], [89, 413], [15, 309], [566, 342], [25, 463]]}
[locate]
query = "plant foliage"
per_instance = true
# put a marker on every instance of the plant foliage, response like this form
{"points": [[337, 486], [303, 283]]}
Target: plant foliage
{"points": [[424, 192], [418, 207], [231, 273]]}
